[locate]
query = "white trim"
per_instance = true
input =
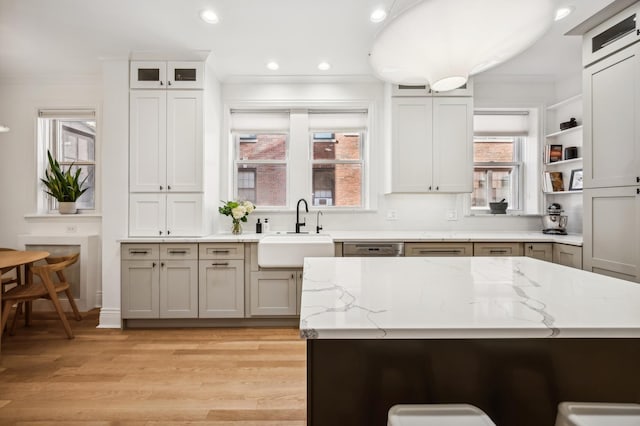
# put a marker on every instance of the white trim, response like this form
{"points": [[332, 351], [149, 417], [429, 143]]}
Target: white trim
{"points": [[110, 318]]}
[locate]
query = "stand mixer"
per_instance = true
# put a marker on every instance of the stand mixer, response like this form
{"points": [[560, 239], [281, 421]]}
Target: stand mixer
{"points": [[554, 222]]}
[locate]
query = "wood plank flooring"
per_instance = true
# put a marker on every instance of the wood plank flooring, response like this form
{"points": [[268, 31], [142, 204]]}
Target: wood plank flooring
{"points": [[214, 376]]}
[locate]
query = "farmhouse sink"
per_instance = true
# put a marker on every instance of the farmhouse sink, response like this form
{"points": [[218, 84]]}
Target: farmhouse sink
{"points": [[289, 250]]}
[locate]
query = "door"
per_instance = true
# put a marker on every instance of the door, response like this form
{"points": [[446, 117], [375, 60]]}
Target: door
{"points": [[542, 251], [273, 293], [184, 215], [148, 75], [185, 75], [612, 127], [221, 285], [412, 144], [147, 215], [184, 143], [140, 289], [147, 140], [612, 232], [178, 288], [453, 144]]}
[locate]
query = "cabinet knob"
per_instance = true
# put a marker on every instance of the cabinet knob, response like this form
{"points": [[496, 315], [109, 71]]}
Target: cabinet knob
{"points": [[429, 187], [161, 84], [161, 187], [637, 190], [159, 232], [437, 188], [637, 179], [168, 83], [168, 232], [169, 187], [162, 264], [153, 265]]}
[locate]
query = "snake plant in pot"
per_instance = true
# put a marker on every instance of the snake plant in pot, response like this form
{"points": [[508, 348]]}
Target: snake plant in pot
{"points": [[63, 185]]}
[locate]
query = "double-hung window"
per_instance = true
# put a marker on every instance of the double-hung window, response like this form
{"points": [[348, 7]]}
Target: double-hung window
{"points": [[498, 147], [261, 156], [70, 136], [337, 157]]}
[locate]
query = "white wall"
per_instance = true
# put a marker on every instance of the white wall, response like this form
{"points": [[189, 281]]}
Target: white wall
{"points": [[414, 212]]}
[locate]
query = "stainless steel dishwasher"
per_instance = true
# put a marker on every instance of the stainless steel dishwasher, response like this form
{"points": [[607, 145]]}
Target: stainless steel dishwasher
{"points": [[373, 249]]}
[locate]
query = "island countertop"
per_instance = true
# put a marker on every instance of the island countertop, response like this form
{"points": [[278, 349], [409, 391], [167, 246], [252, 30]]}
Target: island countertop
{"points": [[463, 298]]}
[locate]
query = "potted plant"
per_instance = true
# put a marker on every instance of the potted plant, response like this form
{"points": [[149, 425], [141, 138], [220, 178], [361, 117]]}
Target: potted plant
{"points": [[238, 210], [63, 185]]}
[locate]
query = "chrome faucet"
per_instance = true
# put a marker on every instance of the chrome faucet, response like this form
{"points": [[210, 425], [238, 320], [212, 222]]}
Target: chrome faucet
{"points": [[306, 208], [318, 226]]}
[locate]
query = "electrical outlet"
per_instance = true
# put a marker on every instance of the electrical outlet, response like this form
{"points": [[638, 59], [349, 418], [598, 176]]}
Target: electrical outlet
{"points": [[392, 215], [452, 215], [72, 229]]}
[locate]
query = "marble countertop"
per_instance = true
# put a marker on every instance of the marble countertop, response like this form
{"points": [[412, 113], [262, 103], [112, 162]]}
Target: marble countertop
{"points": [[462, 298], [344, 236]]}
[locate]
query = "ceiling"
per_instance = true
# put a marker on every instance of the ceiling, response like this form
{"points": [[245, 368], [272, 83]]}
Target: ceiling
{"points": [[63, 38]]}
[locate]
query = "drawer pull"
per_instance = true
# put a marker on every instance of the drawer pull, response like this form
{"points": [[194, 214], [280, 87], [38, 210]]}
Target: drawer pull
{"points": [[177, 252], [441, 251], [498, 251], [139, 252], [220, 264], [219, 251]]}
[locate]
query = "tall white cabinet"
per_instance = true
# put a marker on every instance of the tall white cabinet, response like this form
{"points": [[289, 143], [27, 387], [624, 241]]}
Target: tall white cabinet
{"points": [[612, 148], [432, 144], [165, 152]]}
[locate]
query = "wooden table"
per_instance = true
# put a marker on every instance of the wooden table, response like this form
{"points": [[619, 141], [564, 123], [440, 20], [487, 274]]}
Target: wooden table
{"points": [[19, 258]]}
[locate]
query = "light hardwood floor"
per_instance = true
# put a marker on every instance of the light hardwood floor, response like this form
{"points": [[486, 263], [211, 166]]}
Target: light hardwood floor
{"points": [[235, 376]]}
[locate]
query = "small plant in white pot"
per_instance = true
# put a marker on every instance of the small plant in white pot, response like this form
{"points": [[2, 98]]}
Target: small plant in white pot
{"points": [[63, 185]]}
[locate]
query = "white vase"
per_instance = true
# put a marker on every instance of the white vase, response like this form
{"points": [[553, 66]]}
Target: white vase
{"points": [[67, 207]]}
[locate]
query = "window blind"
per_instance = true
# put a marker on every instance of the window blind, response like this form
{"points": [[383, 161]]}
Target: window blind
{"points": [[257, 121], [501, 123], [337, 120], [66, 113]]}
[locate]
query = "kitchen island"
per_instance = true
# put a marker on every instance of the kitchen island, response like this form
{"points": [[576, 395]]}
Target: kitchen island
{"points": [[512, 335]]}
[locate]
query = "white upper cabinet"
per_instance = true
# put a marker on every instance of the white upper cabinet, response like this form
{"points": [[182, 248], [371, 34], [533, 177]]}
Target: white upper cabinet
{"points": [[167, 75], [612, 35], [432, 143], [165, 215], [166, 141], [612, 123]]}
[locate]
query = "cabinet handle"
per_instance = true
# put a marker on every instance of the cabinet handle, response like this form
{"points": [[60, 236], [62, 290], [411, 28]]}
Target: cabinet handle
{"points": [[530, 247], [638, 177], [169, 187], [292, 276], [440, 251], [153, 265], [162, 264], [177, 252], [219, 251], [168, 83], [637, 190], [168, 232], [159, 232], [498, 251], [160, 187], [161, 84], [139, 252], [437, 188], [429, 187], [638, 32], [220, 264]]}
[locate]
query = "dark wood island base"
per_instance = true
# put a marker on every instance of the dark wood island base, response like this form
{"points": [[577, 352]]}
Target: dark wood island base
{"points": [[517, 382]]}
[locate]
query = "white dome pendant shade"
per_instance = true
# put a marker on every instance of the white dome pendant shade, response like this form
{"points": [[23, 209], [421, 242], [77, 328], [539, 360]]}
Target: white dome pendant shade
{"points": [[442, 42]]}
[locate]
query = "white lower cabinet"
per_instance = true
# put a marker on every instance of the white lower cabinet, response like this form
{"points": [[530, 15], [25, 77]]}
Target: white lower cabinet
{"points": [[274, 292], [159, 281], [542, 251], [567, 255], [159, 215], [222, 288]]}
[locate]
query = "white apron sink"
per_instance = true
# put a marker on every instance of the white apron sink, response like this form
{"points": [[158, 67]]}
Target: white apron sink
{"points": [[289, 251]]}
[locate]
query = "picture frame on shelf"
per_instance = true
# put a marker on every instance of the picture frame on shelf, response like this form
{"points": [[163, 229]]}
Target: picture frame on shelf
{"points": [[555, 153], [576, 183]]}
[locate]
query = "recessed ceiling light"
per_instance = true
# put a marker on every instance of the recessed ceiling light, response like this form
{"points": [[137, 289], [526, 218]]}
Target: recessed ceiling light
{"points": [[209, 16], [324, 66], [273, 65], [563, 12], [378, 15], [3, 128]]}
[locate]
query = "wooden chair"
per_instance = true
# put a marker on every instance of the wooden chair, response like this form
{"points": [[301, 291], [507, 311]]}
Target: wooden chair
{"points": [[7, 281], [44, 287]]}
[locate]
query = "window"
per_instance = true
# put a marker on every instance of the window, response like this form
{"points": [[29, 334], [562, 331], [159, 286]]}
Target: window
{"points": [[70, 136], [337, 160], [261, 156], [496, 172], [500, 144]]}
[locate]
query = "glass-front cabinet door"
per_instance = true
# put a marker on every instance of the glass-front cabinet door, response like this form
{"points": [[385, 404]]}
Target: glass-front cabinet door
{"points": [[185, 75], [148, 75], [167, 75]]}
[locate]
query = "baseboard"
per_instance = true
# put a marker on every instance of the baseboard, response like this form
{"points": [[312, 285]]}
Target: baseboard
{"points": [[110, 318]]}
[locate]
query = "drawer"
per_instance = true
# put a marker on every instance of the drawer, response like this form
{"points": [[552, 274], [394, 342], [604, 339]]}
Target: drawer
{"points": [[438, 249], [498, 249], [179, 251], [140, 251], [222, 251]]}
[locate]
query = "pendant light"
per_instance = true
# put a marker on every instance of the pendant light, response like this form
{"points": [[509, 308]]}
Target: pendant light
{"points": [[442, 42]]}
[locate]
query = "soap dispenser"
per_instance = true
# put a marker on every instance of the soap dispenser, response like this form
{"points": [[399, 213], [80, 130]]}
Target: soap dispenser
{"points": [[258, 227], [266, 225]]}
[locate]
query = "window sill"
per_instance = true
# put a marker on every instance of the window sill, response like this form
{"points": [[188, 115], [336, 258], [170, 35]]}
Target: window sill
{"points": [[514, 214], [58, 216]]}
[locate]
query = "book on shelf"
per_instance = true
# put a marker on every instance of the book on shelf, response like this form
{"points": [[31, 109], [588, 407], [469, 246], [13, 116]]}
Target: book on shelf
{"points": [[553, 153], [553, 182]]}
